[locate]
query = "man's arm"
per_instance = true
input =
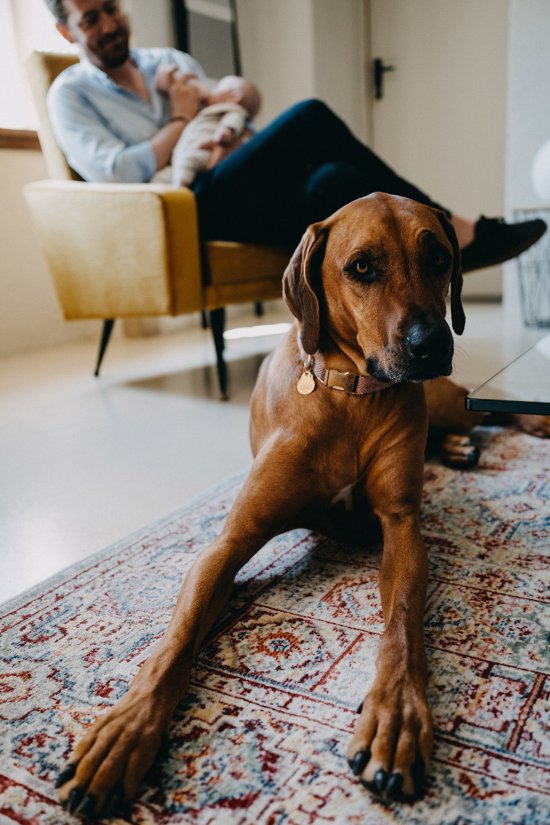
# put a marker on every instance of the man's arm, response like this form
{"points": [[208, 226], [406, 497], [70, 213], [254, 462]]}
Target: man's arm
{"points": [[97, 154], [184, 103], [91, 148]]}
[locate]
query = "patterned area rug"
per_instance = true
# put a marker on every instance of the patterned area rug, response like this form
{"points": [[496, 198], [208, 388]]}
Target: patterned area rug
{"points": [[262, 736]]}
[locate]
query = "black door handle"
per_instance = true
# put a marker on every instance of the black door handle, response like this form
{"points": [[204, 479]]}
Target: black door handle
{"points": [[380, 68]]}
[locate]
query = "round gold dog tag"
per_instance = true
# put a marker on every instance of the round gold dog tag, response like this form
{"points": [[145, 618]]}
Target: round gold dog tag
{"points": [[306, 384]]}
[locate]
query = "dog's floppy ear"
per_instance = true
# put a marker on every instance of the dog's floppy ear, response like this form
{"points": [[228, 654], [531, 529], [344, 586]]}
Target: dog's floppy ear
{"points": [[457, 311], [301, 280]]}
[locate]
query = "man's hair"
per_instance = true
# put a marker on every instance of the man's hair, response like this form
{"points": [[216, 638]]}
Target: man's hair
{"points": [[57, 8]]}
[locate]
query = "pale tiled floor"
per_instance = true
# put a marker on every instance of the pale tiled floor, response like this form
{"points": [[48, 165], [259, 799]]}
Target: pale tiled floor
{"points": [[86, 461]]}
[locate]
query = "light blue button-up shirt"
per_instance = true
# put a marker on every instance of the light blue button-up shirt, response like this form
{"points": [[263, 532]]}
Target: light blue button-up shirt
{"points": [[104, 130]]}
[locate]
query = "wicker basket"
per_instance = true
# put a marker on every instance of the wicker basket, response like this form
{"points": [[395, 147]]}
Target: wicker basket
{"points": [[534, 273]]}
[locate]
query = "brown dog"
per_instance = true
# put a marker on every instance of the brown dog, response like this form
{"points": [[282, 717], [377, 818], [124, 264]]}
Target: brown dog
{"points": [[368, 288]]}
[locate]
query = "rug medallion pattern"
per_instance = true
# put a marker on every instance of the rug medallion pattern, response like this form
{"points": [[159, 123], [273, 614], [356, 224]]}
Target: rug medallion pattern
{"points": [[261, 737]]}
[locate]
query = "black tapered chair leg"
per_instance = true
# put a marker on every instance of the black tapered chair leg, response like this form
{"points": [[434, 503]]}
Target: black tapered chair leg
{"points": [[217, 325], [108, 324], [258, 309], [204, 320]]}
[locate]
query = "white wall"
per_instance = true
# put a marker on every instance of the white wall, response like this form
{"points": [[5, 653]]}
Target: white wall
{"points": [[528, 125], [528, 96], [295, 49], [340, 59], [150, 29], [31, 317], [26, 25], [277, 51]]}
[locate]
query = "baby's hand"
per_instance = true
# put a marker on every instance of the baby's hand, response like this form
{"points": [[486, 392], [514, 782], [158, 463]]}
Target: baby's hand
{"points": [[224, 136]]}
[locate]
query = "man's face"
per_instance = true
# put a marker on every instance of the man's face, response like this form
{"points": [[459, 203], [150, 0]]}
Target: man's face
{"points": [[101, 30]]}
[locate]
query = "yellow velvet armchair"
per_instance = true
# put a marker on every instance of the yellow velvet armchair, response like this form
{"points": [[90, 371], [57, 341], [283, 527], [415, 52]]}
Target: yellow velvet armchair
{"points": [[133, 250]]}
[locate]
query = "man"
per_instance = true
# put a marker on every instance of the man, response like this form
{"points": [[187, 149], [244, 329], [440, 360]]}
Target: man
{"points": [[103, 138], [114, 125]]}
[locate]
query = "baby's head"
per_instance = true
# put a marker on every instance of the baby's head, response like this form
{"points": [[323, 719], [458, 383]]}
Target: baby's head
{"points": [[233, 89], [167, 74]]}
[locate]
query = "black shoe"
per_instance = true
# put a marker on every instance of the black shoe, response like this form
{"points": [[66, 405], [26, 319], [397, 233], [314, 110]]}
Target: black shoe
{"points": [[496, 241]]}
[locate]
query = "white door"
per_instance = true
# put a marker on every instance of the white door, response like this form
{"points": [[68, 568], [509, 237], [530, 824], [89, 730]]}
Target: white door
{"points": [[441, 120]]}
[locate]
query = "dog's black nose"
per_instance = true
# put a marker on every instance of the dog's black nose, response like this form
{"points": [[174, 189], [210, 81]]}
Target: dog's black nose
{"points": [[429, 340]]}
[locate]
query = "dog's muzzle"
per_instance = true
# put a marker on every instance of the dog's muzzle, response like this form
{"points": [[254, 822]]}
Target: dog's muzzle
{"points": [[424, 352], [428, 346]]}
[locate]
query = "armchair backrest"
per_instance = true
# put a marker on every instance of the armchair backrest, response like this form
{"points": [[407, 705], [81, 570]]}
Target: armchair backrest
{"points": [[43, 68]]}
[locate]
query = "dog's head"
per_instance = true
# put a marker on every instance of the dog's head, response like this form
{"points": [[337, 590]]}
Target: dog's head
{"points": [[373, 279]]}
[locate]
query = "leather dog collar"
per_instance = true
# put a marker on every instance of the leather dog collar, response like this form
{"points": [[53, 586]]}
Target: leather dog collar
{"points": [[349, 382]]}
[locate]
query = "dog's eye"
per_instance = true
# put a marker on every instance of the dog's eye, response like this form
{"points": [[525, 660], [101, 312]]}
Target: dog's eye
{"points": [[440, 259], [361, 268]]}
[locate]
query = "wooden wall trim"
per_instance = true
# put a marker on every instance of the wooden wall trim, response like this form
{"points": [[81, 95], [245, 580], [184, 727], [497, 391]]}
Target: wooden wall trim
{"points": [[19, 139]]}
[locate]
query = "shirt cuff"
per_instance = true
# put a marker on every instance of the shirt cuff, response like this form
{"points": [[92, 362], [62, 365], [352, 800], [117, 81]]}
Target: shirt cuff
{"points": [[137, 164]]}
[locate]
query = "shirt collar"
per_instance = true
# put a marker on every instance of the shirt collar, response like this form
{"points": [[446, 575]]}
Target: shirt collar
{"points": [[99, 74]]}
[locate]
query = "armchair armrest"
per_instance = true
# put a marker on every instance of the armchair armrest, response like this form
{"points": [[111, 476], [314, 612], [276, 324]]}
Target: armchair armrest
{"points": [[117, 250]]}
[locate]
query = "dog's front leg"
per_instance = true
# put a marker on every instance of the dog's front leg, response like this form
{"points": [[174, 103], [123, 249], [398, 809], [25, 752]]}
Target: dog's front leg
{"points": [[109, 763], [393, 738]]}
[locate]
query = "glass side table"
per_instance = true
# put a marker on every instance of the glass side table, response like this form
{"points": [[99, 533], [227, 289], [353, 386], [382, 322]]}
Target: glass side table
{"points": [[521, 387]]}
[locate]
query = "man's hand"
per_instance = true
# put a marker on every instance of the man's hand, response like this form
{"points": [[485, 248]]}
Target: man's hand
{"points": [[185, 98], [164, 77]]}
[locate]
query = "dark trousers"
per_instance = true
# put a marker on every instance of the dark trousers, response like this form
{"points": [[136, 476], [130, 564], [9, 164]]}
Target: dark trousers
{"points": [[301, 168]]}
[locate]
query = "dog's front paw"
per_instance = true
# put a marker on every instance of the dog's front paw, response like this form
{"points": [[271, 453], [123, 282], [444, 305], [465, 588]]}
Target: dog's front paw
{"points": [[108, 764], [390, 749], [538, 425], [459, 452]]}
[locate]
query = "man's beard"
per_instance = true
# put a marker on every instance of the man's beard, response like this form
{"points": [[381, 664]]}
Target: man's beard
{"points": [[113, 58]]}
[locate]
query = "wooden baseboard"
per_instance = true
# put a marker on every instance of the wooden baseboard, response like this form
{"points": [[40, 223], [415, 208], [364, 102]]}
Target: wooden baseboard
{"points": [[19, 139]]}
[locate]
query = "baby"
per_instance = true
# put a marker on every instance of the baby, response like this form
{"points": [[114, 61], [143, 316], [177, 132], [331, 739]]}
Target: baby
{"points": [[226, 110]]}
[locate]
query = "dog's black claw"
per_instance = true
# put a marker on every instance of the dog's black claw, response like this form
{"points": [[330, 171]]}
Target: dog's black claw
{"points": [[360, 708], [74, 800], [113, 802], [116, 804], [87, 806], [380, 780], [418, 772], [67, 773], [359, 762], [394, 788]]}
